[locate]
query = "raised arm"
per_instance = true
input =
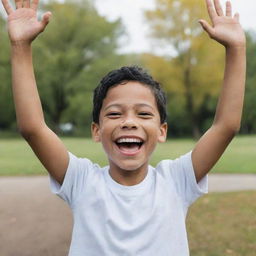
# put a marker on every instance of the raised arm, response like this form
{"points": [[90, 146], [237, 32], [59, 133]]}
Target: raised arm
{"points": [[23, 28], [227, 30]]}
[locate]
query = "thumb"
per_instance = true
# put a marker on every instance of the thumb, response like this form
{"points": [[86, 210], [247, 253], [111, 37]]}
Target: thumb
{"points": [[45, 20], [206, 26]]}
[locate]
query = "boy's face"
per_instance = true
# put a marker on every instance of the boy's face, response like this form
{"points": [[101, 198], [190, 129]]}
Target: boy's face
{"points": [[129, 126]]}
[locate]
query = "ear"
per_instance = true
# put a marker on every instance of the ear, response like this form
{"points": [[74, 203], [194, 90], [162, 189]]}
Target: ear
{"points": [[163, 133], [95, 129]]}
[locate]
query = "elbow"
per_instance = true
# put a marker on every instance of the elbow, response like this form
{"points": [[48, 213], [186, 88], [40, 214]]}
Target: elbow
{"points": [[229, 131], [237, 129], [28, 133], [234, 128], [25, 133], [230, 124], [232, 132]]}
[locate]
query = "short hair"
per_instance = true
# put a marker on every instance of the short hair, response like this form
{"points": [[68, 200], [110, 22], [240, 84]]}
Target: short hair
{"points": [[128, 73]]}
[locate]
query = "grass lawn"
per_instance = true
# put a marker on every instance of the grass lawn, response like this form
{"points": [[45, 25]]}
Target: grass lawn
{"points": [[16, 158], [223, 224]]}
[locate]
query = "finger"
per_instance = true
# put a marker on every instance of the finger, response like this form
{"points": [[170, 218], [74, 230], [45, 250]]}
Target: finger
{"points": [[7, 7], [207, 27], [237, 17], [45, 19], [228, 9], [26, 3], [211, 9], [18, 4], [34, 4], [218, 8]]}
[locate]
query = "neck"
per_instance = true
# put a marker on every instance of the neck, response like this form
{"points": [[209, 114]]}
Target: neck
{"points": [[128, 177]]}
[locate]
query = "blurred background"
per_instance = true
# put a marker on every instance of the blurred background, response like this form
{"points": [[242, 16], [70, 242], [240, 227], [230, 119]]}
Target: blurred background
{"points": [[85, 40]]}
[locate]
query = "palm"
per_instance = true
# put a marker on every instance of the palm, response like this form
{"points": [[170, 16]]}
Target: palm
{"points": [[225, 28], [227, 31], [23, 25]]}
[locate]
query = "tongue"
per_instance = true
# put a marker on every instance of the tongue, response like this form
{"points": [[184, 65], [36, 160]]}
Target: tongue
{"points": [[130, 148]]}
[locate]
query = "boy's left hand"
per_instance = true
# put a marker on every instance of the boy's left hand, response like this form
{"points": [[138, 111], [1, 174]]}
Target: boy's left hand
{"points": [[225, 28]]}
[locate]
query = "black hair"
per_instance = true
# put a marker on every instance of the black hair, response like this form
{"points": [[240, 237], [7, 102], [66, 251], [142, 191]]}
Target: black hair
{"points": [[129, 73]]}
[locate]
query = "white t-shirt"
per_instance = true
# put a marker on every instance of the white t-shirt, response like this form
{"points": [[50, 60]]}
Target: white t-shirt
{"points": [[146, 219]]}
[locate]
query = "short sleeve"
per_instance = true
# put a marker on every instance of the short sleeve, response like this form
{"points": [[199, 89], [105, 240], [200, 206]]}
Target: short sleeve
{"points": [[75, 180], [183, 176]]}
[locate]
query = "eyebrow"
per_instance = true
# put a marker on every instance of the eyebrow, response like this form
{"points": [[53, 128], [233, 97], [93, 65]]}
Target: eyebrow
{"points": [[136, 105]]}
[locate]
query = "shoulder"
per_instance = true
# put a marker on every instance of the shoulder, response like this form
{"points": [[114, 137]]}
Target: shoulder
{"points": [[80, 170], [178, 164], [82, 175], [81, 164]]}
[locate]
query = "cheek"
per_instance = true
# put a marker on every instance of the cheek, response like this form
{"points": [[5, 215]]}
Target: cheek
{"points": [[107, 129], [153, 131]]}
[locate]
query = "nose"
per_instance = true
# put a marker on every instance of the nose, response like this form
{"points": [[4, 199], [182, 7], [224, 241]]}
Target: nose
{"points": [[129, 123]]}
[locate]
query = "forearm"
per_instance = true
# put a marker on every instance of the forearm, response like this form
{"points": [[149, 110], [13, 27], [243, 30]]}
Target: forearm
{"points": [[26, 98], [230, 105]]}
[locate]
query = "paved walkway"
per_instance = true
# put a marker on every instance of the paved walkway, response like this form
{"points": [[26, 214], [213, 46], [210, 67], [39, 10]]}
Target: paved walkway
{"points": [[231, 182], [217, 183], [35, 222]]}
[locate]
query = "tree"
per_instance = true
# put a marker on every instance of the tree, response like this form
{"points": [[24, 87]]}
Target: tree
{"points": [[196, 63], [249, 114], [7, 114], [76, 49]]}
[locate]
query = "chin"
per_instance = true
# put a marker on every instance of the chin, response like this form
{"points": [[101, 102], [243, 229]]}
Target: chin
{"points": [[131, 167]]}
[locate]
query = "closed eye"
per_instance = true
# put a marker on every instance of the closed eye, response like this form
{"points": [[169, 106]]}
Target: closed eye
{"points": [[145, 114], [113, 114]]}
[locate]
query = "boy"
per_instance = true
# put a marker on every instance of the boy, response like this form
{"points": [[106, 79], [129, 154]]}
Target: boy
{"points": [[128, 207]]}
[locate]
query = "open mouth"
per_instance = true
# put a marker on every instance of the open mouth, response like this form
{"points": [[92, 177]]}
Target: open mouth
{"points": [[129, 145]]}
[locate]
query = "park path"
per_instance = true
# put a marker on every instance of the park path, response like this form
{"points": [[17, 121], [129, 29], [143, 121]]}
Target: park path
{"points": [[33, 222]]}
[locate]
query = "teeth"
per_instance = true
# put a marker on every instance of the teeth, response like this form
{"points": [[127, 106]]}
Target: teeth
{"points": [[129, 140]]}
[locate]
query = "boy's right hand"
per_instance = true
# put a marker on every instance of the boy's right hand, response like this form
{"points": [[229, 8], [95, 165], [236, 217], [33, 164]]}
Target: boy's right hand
{"points": [[23, 28], [23, 25]]}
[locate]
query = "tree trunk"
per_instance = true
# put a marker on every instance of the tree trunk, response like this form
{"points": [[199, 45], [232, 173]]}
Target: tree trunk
{"points": [[190, 109]]}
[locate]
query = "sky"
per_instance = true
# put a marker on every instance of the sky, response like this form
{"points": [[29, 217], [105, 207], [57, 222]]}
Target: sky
{"points": [[131, 13]]}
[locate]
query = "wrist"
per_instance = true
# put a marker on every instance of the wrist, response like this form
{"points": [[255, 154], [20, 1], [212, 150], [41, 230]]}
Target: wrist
{"points": [[239, 45], [21, 52], [20, 44], [236, 48]]}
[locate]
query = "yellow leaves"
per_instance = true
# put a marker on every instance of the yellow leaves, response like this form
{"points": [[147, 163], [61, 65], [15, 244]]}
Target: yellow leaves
{"points": [[198, 67], [176, 19], [164, 72]]}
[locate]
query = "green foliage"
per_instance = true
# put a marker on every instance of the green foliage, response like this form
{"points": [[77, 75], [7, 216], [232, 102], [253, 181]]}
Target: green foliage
{"points": [[76, 49], [249, 115], [7, 115], [79, 47]]}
